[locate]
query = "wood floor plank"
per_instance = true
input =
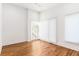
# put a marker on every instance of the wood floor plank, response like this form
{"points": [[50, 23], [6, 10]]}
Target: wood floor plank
{"points": [[37, 48]]}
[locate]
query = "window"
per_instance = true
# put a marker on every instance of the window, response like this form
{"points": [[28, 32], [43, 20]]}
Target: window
{"points": [[72, 28]]}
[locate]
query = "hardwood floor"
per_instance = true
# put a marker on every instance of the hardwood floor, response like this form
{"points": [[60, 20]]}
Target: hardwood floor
{"points": [[37, 48]]}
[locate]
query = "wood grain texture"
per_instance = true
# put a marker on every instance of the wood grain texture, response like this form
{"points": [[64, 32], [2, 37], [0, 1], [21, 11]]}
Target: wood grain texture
{"points": [[37, 48]]}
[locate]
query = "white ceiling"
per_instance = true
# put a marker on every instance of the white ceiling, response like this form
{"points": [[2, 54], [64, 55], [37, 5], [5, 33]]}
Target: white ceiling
{"points": [[37, 6]]}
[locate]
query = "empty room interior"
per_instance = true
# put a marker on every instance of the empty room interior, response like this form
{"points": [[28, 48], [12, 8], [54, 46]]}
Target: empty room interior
{"points": [[39, 29]]}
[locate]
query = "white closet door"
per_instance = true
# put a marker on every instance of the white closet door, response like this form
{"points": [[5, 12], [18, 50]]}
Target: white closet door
{"points": [[72, 28], [52, 30]]}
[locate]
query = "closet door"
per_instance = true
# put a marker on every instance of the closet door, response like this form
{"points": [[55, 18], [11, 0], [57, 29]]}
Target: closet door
{"points": [[52, 30]]}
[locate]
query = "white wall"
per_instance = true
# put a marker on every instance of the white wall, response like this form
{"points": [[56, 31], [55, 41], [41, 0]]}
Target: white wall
{"points": [[47, 30], [32, 16], [52, 30], [43, 30], [0, 23], [59, 12], [14, 24], [0, 27]]}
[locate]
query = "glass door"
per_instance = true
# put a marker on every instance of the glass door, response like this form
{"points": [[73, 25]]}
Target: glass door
{"points": [[34, 30]]}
